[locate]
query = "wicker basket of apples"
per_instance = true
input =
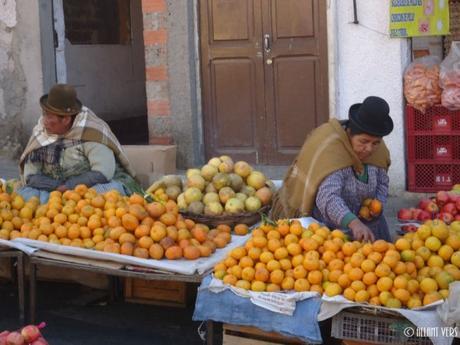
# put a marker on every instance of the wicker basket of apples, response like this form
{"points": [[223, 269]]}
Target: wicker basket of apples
{"points": [[224, 192]]}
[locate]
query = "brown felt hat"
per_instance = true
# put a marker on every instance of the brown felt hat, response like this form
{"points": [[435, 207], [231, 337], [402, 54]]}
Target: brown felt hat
{"points": [[61, 100]]}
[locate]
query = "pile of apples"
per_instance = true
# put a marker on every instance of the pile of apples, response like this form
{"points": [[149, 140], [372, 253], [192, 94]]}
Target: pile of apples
{"points": [[444, 206], [29, 335]]}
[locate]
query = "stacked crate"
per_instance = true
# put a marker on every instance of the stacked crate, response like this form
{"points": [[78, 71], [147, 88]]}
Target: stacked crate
{"points": [[433, 147]]}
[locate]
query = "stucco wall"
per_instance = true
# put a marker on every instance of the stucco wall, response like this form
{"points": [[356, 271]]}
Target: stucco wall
{"points": [[20, 73], [367, 62]]}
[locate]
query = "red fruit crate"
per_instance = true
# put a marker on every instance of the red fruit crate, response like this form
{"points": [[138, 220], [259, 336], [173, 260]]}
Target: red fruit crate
{"points": [[433, 147], [429, 176], [436, 119]]}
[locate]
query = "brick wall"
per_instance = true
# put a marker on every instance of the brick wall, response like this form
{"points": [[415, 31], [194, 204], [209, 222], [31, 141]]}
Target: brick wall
{"points": [[155, 15]]}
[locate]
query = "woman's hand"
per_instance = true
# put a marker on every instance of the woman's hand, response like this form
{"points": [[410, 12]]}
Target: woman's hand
{"points": [[360, 231]]}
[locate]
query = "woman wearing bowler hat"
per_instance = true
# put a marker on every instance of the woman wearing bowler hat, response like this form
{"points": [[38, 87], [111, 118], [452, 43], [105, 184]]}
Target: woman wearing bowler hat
{"points": [[69, 146], [341, 164]]}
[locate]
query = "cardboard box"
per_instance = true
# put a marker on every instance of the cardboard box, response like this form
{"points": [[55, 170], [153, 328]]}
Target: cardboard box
{"points": [[150, 162]]}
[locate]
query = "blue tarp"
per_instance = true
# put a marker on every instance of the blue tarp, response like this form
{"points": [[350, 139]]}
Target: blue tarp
{"points": [[229, 308]]}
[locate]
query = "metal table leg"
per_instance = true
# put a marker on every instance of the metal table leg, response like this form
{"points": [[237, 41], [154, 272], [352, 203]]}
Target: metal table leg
{"points": [[209, 332], [21, 292], [32, 292]]}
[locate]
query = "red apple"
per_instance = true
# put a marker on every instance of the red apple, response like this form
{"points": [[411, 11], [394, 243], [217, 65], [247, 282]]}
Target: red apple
{"points": [[424, 203], [457, 204], [442, 198], [404, 214], [432, 208], [30, 333], [15, 338], [446, 217], [457, 216], [3, 337], [450, 208], [453, 197], [423, 216], [416, 212], [409, 228]]}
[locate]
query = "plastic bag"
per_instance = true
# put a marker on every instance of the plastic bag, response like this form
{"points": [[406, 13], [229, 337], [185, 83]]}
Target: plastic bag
{"points": [[421, 83], [449, 78], [449, 311]]}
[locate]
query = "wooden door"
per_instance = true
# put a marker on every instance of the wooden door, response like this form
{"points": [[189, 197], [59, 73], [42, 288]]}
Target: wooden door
{"points": [[264, 76]]}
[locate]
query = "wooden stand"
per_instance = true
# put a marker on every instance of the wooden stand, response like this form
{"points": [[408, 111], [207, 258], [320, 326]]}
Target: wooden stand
{"points": [[168, 293], [245, 335], [19, 256]]}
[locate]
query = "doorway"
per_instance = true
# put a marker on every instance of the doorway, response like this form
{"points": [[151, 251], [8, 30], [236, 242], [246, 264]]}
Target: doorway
{"points": [[99, 49], [264, 76]]}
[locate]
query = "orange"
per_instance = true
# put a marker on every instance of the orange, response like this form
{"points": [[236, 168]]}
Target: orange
{"points": [[299, 272], [349, 294], [348, 248], [402, 244], [358, 285], [369, 278], [400, 268], [277, 276], [262, 274], [355, 274], [368, 265], [400, 282], [311, 264], [336, 264], [361, 296], [380, 246], [246, 261], [376, 257], [357, 259], [382, 270], [328, 256], [248, 273], [287, 283], [315, 277], [433, 243], [373, 290], [309, 244], [334, 275], [343, 280], [428, 285], [294, 249], [391, 260], [384, 284], [333, 289], [431, 297]]}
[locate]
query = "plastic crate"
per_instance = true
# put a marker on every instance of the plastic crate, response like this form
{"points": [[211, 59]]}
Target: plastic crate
{"points": [[436, 119], [433, 147], [429, 176], [374, 329]]}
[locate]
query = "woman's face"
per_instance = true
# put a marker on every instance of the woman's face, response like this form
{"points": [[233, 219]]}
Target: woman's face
{"points": [[364, 145], [56, 124]]}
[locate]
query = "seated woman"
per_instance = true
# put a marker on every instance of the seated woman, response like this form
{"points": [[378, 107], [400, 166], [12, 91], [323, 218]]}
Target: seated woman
{"points": [[341, 164], [70, 145]]}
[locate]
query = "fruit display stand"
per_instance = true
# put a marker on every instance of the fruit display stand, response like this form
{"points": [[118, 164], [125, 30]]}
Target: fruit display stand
{"points": [[6, 252], [41, 258]]}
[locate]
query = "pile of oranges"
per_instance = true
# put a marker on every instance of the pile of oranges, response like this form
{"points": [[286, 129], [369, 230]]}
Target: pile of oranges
{"points": [[111, 223], [414, 271]]}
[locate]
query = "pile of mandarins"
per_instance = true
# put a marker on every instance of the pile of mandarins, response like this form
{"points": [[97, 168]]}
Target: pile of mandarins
{"points": [[111, 223], [415, 270]]}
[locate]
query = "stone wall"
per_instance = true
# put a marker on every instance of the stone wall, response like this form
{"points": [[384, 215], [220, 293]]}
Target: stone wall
{"points": [[20, 73]]}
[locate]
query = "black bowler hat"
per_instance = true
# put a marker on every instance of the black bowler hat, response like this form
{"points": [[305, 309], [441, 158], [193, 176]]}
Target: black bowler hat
{"points": [[372, 116]]}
